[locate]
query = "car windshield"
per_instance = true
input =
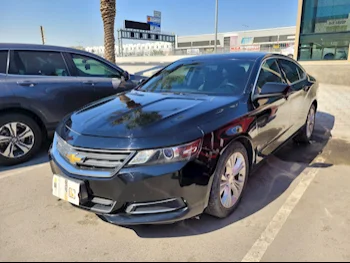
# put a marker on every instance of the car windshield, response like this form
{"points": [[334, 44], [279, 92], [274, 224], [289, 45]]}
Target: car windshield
{"points": [[226, 77]]}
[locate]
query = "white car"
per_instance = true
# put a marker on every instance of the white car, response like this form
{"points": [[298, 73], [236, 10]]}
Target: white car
{"points": [[289, 51]]}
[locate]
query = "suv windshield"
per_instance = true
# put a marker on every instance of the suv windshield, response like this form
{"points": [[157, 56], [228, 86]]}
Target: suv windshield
{"points": [[227, 77]]}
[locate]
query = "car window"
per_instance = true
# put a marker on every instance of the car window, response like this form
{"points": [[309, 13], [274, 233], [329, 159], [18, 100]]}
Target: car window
{"points": [[42, 63], [269, 73], [224, 76], [290, 70], [90, 67], [3, 61]]}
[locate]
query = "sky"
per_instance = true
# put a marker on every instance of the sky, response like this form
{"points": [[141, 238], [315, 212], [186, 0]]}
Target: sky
{"points": [[79, 22]]}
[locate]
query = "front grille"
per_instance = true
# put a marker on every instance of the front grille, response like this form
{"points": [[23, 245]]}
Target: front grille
{"points": [[87, 161], [101, 160]]}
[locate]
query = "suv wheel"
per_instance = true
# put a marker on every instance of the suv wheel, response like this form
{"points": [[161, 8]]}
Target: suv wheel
{"points": [[229, 181], [20, 138]]}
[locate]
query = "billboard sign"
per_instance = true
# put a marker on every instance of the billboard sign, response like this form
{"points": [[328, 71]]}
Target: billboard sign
{"points": [[154, 23], [136, 25], [157, 14], [250, 48], [333, 25]]}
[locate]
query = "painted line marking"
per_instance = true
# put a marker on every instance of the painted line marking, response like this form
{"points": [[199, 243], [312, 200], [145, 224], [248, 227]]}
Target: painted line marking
{"points": [[258, 250], [21, 171]]}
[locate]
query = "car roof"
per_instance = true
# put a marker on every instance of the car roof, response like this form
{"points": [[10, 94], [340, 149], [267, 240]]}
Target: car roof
{"points": [[235, 55], [37, 47]]}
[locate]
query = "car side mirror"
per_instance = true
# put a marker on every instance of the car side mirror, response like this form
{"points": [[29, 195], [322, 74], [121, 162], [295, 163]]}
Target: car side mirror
{"points": [[271, 90], [125, 76], [141, 81]]}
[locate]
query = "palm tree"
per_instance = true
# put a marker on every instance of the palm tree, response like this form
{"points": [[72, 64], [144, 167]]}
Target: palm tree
{"points": [[108, 12]]}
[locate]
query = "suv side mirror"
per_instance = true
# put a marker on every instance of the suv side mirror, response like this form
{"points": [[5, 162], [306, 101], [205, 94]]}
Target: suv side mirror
{"points": [[125, 76], [271, 89]]}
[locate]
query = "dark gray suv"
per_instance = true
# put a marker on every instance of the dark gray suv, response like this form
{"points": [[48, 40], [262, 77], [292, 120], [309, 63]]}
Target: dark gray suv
{"points": [[40, 84]]}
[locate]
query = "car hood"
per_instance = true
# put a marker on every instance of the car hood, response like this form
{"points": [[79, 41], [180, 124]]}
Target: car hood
{"points": [[149, 116]]}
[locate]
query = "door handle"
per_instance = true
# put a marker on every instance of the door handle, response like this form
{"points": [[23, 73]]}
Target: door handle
{"points": [[26, 83], [91, 83]]}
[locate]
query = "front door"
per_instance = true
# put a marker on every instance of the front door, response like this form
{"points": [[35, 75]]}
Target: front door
{"points": [[94, 73], [272, 115], [41, 81]]}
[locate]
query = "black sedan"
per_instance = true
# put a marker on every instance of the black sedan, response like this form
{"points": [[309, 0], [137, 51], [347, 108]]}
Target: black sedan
{"points": [[184, 141]]}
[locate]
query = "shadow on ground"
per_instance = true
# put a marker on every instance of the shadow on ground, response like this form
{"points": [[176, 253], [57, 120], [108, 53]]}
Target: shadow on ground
{"points": [[266, 184], [41, 157]]}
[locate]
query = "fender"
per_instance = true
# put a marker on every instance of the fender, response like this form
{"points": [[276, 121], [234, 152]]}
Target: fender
{"points": [[239, 137]]}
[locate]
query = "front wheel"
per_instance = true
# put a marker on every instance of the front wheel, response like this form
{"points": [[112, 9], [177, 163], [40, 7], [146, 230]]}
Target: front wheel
{"points": [[306, 132], [20, 138], [229, 181]]}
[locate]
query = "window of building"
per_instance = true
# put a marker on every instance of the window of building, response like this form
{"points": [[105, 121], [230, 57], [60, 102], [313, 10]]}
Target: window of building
{"points": [[213, 42], [201, 43], [265, 39], [324, 46], [3, 61], [184, 44], [325, 30], [41, 63]]}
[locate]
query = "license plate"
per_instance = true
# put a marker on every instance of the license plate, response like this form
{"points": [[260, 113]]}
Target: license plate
{"points": [[65, 189]]}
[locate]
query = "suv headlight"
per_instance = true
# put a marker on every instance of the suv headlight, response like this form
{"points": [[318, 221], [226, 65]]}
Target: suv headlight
{"points": [[183, 152]]}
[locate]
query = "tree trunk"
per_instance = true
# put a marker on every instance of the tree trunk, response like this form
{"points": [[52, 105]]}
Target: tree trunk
{"points": [[108, 12]]}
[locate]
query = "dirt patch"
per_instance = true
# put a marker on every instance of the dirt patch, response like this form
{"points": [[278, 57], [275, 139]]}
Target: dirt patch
{"points": [[89, 219], [337, 152]]}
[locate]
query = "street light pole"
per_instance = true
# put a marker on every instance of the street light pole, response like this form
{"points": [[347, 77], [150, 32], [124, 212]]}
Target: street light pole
{"points": [[216, 25]]}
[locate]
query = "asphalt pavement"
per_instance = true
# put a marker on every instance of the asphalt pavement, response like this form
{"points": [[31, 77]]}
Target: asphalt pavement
{"points": [[296, 207]]}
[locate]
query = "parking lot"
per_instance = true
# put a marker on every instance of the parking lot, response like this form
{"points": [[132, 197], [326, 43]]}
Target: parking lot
{"points": [[296, 207]]}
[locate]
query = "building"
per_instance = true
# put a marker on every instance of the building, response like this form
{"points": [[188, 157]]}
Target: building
{"points": [[139, 49], [269, 40], [323, 30]]}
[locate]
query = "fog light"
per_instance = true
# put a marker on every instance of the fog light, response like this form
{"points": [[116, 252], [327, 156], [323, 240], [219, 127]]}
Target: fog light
{"points": [[156, 207]]}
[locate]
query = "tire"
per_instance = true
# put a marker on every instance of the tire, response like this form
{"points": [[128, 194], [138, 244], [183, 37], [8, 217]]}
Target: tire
{"points": [[29, 138], [216, 205], [305, 134]]}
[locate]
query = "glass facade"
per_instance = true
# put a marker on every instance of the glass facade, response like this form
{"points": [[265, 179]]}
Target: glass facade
{"points": [[324, 30]]}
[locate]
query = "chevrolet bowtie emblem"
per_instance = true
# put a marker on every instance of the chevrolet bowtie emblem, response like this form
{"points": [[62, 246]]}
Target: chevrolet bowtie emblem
{"points": [[74, 158]]}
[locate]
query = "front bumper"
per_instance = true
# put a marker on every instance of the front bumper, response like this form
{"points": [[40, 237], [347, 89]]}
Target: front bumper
{"points": [[112, 198]]}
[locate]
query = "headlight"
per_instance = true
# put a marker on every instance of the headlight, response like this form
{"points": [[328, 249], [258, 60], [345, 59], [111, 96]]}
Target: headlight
{"points": [[183, 152], [59, 145]]}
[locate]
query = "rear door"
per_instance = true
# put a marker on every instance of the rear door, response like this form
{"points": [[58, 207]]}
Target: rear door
{"points": [[297, 79], [6, 96], [42, 82], [92, 72]]}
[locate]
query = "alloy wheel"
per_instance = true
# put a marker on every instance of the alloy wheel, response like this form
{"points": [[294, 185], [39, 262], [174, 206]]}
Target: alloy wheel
{"points": [[310, 124], [232, 180], [16, 139]]}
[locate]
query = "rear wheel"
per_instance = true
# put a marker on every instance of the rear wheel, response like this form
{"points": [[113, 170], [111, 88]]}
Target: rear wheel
{"points": [[229, 181], [20, 138], [306, 132]]}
